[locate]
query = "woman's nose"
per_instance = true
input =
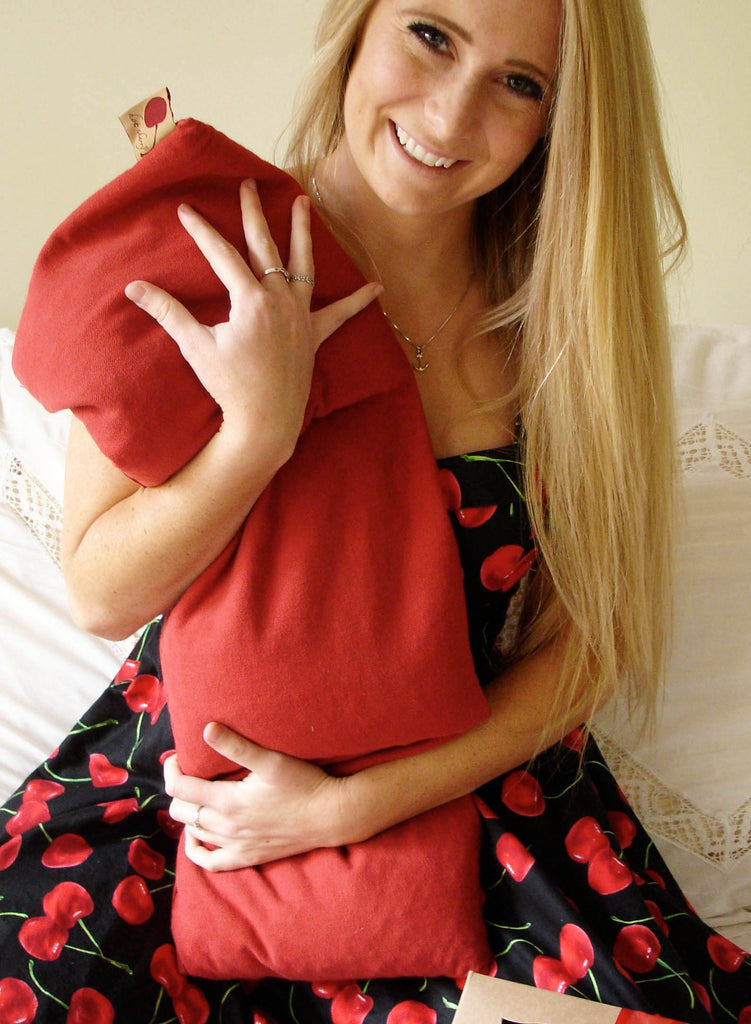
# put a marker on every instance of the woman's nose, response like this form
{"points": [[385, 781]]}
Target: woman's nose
{"points": [[454, 107]]}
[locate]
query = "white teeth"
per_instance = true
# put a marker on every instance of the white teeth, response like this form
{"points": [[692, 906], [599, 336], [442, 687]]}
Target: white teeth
{"points": [[419, 153]]}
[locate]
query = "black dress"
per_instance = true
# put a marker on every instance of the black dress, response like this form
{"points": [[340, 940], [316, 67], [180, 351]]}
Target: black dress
{"points": [[578, 899]]}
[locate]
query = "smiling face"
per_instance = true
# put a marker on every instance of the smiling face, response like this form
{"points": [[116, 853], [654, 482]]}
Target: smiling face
{"points": [[446, 98]]}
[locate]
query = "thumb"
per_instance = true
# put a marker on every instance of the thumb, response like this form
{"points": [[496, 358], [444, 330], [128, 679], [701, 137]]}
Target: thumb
{"points": [[329, 319], [270, 766]]}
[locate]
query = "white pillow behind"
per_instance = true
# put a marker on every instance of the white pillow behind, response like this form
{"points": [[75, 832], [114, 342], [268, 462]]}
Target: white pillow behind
{"points": [[691, 785], [50, 671]]}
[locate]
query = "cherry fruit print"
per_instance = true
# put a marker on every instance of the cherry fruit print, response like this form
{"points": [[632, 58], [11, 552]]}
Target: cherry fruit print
{"points": [[9, 852], [725, 954], [18, 1004], [132, 900], [551, 974], [42, 938], [87, 1006], [67, 903], [28, 816], [41, 789], [506, 566], [450, 489], [584, 839], [146, 693], [105, 774], [471, 518], [637, 948], [577, 952], [145, 861], [66, 851], [514, 856], [350, 1005], [522, 794], [412, 1012], [607, 873], [116, 810]]}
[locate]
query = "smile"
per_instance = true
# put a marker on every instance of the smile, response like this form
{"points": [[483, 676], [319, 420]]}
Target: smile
{"points": [[419, 153]]}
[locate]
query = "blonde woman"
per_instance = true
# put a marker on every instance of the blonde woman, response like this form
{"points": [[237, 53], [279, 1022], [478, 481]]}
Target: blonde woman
{"points": [[495, 170]]}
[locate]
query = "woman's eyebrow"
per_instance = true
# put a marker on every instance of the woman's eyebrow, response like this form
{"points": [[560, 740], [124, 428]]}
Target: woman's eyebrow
{"points": [[444, 22]]}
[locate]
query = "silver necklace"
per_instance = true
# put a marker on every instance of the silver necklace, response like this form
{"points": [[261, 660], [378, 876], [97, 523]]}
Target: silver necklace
{"points": [[419, 366]]}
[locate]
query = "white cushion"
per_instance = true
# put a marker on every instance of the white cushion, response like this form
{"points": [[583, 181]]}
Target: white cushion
{"points": [[50, 671]]}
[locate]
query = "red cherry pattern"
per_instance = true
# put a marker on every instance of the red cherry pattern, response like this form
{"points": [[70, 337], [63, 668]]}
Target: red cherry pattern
{"points": [[725, 954], [128, 670], [637, 948], [505, 567], [66, 851], [577, 954], [624, 828], [550, 974], [191, 1006], [18, 1004], [144, 860], [105, 774], [117, 810], [350, 1005], [577, 957], [66, 903], [88, 1006], [28, 816], [132, 900], [42, 938], [522, 794], [146, 693], [9, 852], [607, 873], [514, 856], [165, 972], [584, 839], [412, 1012], [471, 518], [41, 789]]}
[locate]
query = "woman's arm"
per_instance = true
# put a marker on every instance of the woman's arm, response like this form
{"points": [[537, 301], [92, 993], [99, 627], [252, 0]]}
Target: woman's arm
{"points": [[129, 552], [285, 806]]}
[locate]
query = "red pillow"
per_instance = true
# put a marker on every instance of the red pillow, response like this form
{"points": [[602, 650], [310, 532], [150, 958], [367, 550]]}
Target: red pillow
{"points": [[333, 626]]}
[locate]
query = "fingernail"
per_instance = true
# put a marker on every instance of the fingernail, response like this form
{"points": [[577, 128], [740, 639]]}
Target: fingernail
{"points": [[136, 292], [250, 184]]}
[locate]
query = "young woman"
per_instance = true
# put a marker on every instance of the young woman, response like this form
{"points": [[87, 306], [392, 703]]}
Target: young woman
{"points": [[496, 168]]}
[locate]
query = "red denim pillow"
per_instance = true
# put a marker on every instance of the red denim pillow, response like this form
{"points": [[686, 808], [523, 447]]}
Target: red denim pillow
{"points": [[333, 626]]}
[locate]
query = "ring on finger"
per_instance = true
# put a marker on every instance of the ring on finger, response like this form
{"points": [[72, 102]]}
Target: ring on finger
{"points": [[195, 823], [277, 270], [306, 278]]}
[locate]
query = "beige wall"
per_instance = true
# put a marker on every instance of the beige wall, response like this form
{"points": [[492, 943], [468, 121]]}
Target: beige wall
{"points": [[68, 68]]}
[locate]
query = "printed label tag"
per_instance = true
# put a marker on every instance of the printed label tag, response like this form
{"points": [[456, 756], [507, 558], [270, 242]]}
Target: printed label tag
{"points": [[148, 122]]}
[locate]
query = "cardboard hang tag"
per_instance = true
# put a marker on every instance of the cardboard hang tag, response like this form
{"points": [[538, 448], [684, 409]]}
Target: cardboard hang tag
{"points": [[149, 121], [493, 1001]]}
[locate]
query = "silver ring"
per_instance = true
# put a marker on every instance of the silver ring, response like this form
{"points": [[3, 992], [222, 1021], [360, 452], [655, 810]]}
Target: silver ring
{"points": [[277, 270], [306, 278], [195, 823]]}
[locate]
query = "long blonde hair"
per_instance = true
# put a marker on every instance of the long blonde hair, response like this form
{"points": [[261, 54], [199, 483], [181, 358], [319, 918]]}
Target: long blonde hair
{"points": [[572, 248]]}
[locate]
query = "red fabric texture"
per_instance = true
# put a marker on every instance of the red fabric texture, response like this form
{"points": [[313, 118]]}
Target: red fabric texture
{"points": [[333, 626]]}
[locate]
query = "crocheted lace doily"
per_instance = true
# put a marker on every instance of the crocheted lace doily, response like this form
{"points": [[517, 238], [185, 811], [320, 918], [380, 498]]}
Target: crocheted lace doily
{"points": [[42, 514]]}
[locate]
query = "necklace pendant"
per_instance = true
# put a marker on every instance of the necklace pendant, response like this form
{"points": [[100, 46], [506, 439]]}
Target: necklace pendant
{"points": [[419, 366]]}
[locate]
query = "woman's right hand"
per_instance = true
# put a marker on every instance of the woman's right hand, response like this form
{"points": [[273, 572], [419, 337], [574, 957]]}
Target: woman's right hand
{"points": [[130, 552], [258, 365]]}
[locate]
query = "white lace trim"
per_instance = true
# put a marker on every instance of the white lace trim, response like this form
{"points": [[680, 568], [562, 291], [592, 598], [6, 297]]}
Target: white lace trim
{"points": [[711, 442], [33, 504], [42, 514], [720, 840]]}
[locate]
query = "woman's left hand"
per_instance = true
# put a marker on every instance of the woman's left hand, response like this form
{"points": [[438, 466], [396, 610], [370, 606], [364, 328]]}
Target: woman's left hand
{"points": [[283, 806]]}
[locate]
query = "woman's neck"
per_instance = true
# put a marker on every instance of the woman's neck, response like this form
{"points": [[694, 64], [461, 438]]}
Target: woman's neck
{"points": [[414, 257]]}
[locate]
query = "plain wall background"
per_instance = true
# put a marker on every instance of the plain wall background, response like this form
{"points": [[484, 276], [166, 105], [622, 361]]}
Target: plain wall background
{"points": [[70, 67]]}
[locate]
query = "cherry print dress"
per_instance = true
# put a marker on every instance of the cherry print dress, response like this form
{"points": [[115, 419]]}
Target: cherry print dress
{"points": [[578, 899]]}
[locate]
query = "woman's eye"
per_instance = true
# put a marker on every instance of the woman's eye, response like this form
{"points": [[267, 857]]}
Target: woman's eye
{"points": [[525, 86], [430, 36]]}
